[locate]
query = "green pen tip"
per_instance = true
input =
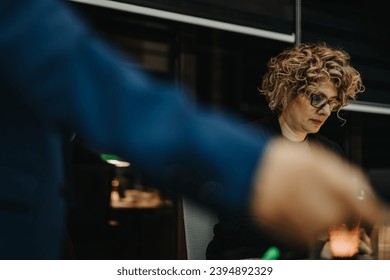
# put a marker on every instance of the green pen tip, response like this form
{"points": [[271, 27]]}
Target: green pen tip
{"points": [[272, 253]]}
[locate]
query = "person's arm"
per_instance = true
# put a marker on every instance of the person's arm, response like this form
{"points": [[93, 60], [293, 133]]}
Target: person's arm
{"points": [[58, 67]]}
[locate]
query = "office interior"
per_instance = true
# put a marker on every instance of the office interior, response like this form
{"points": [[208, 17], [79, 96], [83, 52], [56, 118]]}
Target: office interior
{"points": [[218, 50]]}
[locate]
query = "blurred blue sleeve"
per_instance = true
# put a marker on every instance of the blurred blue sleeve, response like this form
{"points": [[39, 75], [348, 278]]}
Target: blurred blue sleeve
{"points": [[55, 64]]}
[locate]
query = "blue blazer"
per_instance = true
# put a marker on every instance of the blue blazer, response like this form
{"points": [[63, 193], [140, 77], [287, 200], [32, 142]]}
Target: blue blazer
{"points": [[57, 77]]}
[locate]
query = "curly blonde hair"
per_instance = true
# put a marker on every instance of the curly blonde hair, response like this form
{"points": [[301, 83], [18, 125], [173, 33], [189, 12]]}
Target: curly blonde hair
{"points": [[300, 70]]}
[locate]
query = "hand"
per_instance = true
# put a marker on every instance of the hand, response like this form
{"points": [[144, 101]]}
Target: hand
{"points": [[298, 195]]}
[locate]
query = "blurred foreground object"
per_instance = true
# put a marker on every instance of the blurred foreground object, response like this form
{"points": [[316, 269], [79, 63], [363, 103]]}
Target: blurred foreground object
{"points": [[303, 194], [344, 241]]}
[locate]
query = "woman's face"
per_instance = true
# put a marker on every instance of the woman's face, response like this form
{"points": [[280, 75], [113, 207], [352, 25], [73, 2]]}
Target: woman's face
{"points": [[302, 117]]}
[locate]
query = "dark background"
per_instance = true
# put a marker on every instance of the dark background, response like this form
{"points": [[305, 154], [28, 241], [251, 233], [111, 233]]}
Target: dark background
{"points": [[223, 70]]}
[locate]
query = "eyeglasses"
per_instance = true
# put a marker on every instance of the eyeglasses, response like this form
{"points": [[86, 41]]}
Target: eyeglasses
{"points": [[319, 101]]}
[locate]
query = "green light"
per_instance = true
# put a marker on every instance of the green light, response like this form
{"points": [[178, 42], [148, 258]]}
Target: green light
{"points": [[272, 253], [106, 157]]}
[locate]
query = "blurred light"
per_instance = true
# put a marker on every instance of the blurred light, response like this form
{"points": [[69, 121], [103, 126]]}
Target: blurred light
{"points": [[118, 163], [115, 160]]}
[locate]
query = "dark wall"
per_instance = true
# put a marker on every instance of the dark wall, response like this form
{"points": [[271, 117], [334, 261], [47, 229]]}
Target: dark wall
{"points": [[360, 28], [219, 68]]}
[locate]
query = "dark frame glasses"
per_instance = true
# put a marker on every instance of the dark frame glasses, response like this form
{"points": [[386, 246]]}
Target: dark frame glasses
{"points": [[319, 101]]}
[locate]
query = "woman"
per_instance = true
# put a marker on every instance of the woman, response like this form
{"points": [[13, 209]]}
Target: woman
{"points": [[303, 86]]}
